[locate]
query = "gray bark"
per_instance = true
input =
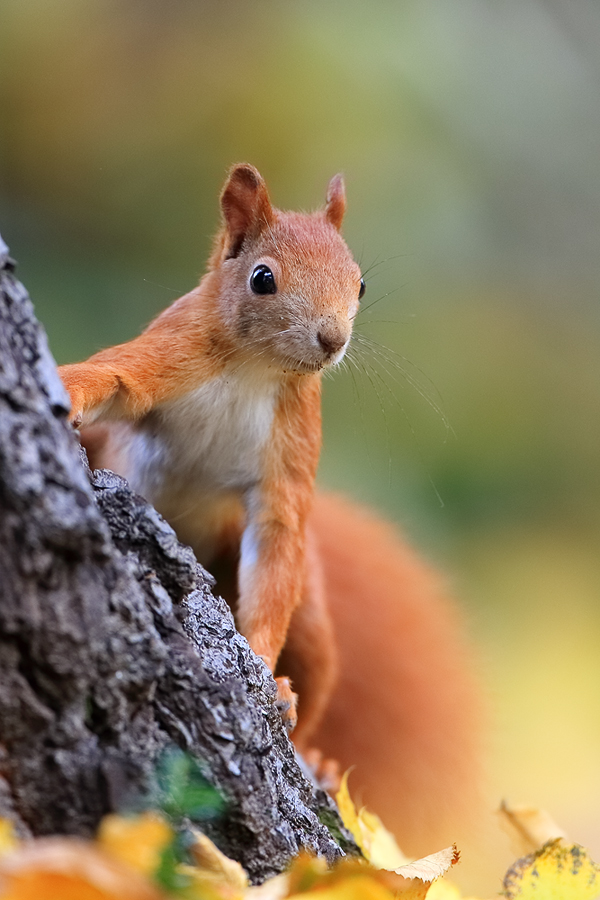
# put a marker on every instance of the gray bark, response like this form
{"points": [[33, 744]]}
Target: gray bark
{"points": [[112, 646]]}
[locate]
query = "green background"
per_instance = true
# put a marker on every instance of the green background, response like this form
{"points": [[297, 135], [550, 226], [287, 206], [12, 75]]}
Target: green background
{"points": [[468, 133]]}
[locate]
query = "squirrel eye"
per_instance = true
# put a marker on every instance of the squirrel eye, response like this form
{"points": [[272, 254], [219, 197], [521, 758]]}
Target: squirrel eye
{"points": [[262, 281], [363, 287]]}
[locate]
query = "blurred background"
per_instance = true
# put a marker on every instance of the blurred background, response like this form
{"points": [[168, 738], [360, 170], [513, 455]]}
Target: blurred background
{"points": [[469, 135]]}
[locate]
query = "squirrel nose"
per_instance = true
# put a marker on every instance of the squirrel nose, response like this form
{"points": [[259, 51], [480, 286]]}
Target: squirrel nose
{"points": [[330, 341]]}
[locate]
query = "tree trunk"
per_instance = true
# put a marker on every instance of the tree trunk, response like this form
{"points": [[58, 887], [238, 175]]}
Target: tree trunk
{"points": [[112, 646]]}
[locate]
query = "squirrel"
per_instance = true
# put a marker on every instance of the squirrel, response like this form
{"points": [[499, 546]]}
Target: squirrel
{"points": [[213, 414]]}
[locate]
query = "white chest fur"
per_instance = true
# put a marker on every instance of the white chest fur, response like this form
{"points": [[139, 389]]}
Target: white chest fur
{"points": [[210, 441]]}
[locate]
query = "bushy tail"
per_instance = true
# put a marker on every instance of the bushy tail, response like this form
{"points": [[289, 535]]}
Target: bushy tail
{"points": [[407, 710]]}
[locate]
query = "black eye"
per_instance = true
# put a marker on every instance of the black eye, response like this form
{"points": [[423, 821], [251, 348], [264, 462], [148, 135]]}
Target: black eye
{"points": [[262, 281], [362, 289]]}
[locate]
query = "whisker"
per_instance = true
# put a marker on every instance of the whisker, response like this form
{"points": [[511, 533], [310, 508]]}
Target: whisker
{"points": [[363, 309], [387, 356], [412, 431], [384, 322], [362, 370], [380, 262], [164, 286]]}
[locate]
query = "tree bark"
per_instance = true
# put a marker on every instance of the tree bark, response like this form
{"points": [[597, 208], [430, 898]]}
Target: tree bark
{"points": [[112, 646]]}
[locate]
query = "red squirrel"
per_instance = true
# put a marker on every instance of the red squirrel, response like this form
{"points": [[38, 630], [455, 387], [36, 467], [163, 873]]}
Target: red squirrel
{"points": [[213, 414]]}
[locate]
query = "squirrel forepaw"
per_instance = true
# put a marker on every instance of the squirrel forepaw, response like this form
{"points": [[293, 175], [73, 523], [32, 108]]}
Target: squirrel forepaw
{"points": [[286, 703]]}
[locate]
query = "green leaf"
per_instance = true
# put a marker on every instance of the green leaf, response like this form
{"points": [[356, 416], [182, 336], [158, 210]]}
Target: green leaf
{"points": [[183, 790]]}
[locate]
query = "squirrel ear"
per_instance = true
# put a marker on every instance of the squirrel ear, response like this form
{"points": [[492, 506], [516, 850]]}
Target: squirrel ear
{"points": [[246, 206], [336, 202]]}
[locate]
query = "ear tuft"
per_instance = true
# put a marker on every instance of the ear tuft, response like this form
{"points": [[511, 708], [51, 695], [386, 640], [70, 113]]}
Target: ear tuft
{"points": [[245, 205], [336, 202]]}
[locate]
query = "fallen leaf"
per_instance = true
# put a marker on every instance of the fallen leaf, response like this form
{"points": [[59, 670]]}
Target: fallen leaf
{"points": [[528, 828], [383, 851], [352, 878], [431, 867], [362, 887], [276, 888], [376, 842], [347, 809], [8, 839], [69, 869], [445, 890], [213, 873], [556, 872], [349, 879], [138, 841], [307, 870]]}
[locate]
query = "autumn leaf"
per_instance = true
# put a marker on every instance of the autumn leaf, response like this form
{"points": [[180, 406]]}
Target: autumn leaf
{"points": [[8, 840], [352, 878], [430, 867], [362, 887], [528, 827], [214, 874], [445, 890], [274, 889], [376, 842], [381, 850], [556, 872], [349, 879], [69, 869], [138, 841]]}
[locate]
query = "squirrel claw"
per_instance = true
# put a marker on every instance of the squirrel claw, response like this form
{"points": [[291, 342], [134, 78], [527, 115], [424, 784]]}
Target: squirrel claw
{"points": [[286, 703]]}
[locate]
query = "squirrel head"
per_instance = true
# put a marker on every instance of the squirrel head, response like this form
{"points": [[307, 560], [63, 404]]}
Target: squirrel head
{"points": [[288, 287]]}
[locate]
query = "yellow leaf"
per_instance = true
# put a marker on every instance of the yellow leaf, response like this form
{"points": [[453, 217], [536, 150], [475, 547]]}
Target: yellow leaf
{"points": [[430, 867], [528, 828], [214, 874], [441, 889], [274, 889], [69, 869], [444, 890], [349, 879], [348, 810], [307, 870], [383, 851], [556, 872], [138, 841], [376, 842], [8, 839], [361, 888], [352, 878]]}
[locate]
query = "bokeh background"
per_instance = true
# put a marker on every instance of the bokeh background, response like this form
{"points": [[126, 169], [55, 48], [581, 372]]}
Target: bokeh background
{"points": [[469, 136]]}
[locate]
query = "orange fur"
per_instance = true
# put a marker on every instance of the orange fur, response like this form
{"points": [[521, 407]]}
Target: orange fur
{"points": [[406, 708], [214, 414], [219, 399]]}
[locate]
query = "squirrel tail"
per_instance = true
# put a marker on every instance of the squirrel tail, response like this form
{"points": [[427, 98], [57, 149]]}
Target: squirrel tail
{"points": [[406, 712]]}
